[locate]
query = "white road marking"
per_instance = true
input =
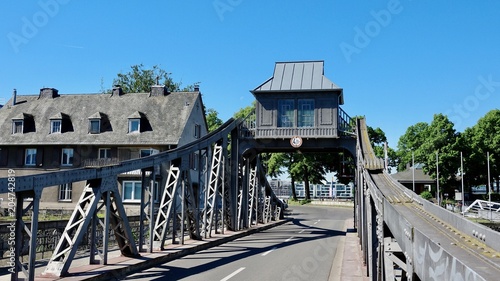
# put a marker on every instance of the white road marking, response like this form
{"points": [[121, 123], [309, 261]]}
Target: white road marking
{"points": [[233, 274], [266, 253], [289, 239]]}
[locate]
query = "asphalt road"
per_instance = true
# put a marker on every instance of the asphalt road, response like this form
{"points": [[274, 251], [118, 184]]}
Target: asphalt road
{"points": [[302, 249]]}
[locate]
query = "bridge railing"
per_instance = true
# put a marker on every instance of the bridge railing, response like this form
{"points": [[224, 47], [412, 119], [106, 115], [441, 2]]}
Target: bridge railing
{"points": [[344, 126]]}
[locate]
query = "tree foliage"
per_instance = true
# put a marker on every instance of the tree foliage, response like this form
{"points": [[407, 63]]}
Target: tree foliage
{"points": [[413, 139], [139, 80], [213, 120], [440, 138], [479, 140]]}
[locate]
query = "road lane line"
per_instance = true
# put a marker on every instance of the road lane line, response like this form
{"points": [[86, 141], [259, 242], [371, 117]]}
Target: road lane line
{"points": [[266, 253], [289, 239], [233, 274]]}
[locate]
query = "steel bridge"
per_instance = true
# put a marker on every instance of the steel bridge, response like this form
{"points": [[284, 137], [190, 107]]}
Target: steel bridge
{"points": [[403, 237], [232, 194]]}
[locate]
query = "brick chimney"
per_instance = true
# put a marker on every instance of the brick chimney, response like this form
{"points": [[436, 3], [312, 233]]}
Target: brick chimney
{"points": [[158, 90], [117, 91], [48, 93]]}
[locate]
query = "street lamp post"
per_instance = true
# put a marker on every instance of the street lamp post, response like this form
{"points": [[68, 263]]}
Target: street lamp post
{"points": [[489, 185], [462, 178], [413, 169], [437, 178]]}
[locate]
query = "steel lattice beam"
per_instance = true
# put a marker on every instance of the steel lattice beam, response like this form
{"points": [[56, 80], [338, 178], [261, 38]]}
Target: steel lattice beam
{"points": [[214, 193], [165, 212]]}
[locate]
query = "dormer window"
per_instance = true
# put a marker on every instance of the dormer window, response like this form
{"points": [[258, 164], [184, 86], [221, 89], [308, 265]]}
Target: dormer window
{"points": [[17, 126], [94, 126], [134, 125], [60, 123], [138, 123], [55, 126], [23, 123], [98, 122]]}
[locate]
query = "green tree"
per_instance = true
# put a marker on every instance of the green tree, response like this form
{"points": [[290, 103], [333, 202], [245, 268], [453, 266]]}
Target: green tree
{"points": [[412, 140], [213, 120], [274, 162], [140, 80], [378, 140], [441, 138], [310, 168], [481, 139], [245, 112]]}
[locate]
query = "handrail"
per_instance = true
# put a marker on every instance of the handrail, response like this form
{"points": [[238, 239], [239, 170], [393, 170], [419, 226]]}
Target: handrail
{"points": [[31, 182]]}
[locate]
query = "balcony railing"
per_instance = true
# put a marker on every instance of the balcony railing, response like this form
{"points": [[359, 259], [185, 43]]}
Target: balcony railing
{"points": [[345, 126], [100, 162]]}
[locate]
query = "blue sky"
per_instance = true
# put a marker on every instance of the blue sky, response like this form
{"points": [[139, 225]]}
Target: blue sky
{"points": [[398, 61]]}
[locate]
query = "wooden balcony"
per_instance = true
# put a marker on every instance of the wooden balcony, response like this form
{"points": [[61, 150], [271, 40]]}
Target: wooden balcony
{"points": [[304, 132], [344, 127]]}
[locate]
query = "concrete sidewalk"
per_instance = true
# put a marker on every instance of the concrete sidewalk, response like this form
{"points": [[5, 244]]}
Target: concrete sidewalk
{"points": [[350, 257], [347, 265]]}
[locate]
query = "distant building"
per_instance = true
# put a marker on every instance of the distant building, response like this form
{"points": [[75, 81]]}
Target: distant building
{"points": [[50, 132], [329, 190], [423, 182]]}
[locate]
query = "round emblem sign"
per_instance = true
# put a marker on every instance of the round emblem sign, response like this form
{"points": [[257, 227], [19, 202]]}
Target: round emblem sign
{"points": [[296, 141]]}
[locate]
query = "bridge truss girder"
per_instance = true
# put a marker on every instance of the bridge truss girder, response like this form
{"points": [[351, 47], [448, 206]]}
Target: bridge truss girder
{"points": [[85, 216], [221, 177]]}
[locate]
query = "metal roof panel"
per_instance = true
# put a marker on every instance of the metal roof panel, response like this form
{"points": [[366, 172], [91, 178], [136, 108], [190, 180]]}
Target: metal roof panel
{"points": [[298, 76]]}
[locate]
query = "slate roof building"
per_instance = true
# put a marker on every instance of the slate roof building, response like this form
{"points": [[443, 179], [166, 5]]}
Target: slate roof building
{"points": [[423, 182], [51, 131]]}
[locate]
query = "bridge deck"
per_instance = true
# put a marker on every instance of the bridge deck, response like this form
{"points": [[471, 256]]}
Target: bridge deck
{"points": [[471, 251]]}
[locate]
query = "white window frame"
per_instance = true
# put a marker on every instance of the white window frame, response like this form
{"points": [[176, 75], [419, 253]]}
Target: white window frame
{"points": [[107, 153], [67, 158], [65, 192], [134, 198], [91, 131], [151, 151], [31, 161], [131, 128], [14, 126], [305, 112], [286, 113], [58, 129]]}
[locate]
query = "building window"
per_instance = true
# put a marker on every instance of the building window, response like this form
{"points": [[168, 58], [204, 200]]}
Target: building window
{"points": [[131, 191], [95, 126], [104, 153], [148, 152], [67, 157], [17, 126], [134, 125], [65, 191], [30, 157], [55, 126], [197, 131], [305, 112], [286, 115], [193, 161]]}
